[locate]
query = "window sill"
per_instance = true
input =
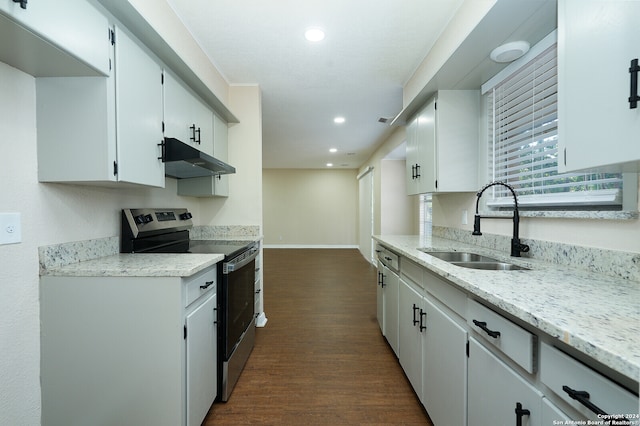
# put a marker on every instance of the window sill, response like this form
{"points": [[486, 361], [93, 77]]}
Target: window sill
{"points": [[568, 214]]}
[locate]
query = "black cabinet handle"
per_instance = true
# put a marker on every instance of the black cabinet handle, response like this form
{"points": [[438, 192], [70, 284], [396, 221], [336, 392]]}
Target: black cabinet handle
{"points": [[423, 314], [583, 398], [23, 3], [413, 171], [206, 285], [483, 326], [634, 68], [198, 139], [415, 308], [417, 171], [521, 412], [193, 133]]}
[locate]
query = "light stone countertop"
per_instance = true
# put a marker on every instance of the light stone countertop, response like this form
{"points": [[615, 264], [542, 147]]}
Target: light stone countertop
{"points": [[595, 314], [138, 265]]}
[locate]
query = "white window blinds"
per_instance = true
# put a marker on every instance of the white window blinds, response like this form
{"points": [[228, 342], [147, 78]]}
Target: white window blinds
{"points": [[523, 142]]}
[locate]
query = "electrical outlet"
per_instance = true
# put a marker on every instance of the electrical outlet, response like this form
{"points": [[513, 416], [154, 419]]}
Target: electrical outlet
{"points": [[465, 218], [10, 229]]}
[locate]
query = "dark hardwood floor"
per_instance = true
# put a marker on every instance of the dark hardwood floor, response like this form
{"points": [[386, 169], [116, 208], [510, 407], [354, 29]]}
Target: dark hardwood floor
{"points": [[321, 359]]}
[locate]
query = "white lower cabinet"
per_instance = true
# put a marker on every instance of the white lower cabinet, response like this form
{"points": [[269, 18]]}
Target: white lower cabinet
{"points": [[128, 350], [390, 287], [497, 394], [202, 373], [444, 391], [411, 335]]}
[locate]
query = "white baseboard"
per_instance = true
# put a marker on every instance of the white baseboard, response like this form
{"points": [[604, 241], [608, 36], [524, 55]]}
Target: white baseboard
{"points": [[261, 321]]}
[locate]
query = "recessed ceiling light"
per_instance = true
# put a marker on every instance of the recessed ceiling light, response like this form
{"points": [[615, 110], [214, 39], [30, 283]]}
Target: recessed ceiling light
{"points": [[333, 150], [314, 34], [339, 120], [329, 164]]}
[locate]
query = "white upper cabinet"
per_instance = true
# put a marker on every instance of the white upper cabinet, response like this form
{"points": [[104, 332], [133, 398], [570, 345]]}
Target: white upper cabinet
{"points": [[103, 130], [442, 144], [597, 128], [47, 38], [210, 186], [186, 117]]}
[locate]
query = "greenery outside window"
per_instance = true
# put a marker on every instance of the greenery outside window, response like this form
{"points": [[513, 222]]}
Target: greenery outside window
{"points": [[522, 117]]}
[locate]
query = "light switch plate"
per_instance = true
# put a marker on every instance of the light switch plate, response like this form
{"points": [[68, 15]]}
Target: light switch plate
{"points": [[10, 228]]}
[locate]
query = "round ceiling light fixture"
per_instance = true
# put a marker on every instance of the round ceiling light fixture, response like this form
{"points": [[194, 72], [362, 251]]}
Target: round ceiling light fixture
{"points": [[509, 52], [314, 34]]}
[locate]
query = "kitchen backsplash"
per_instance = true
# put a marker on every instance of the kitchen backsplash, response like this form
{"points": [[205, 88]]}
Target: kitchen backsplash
{"points": [[609, 262], [57, 255]]}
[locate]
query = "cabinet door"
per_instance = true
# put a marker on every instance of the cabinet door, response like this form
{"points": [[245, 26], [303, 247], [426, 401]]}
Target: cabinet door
{"points": [[445, 368], [427, 169], [494, 390], [412, 156], [178, 116], [391, 289], [221, 152], [186, 117], [76, 28], [380, 298], [410, 339], [597, 39], [201, 361], [138, 114]]}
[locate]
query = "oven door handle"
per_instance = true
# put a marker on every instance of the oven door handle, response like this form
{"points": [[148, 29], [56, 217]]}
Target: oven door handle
{"points": [[240, 261]]}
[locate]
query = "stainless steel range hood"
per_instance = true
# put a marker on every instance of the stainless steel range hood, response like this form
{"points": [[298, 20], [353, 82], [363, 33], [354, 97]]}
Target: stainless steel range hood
{"points": [[182, 161]]}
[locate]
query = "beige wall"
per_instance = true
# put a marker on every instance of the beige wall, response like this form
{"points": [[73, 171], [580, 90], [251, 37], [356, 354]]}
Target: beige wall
{"points": [[310, 207], [244, 205]]}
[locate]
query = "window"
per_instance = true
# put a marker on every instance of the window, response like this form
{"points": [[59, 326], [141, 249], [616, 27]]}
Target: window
{"points": [[523, 140]]}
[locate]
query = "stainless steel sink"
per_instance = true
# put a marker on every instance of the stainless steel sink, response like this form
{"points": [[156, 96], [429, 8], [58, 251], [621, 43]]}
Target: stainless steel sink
{"points": [[459, 256], [491, 266], [474, 261]]}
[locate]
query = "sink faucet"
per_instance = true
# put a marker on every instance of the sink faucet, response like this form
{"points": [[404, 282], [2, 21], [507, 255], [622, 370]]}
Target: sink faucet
{"points": [[516, 246]]}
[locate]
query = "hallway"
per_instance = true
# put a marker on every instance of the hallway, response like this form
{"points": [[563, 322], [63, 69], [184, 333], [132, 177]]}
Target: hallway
{"points": [[321, 359]]}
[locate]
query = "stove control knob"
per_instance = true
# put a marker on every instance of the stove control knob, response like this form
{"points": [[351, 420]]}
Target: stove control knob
{"points": [[143, 218], [185, 216]]}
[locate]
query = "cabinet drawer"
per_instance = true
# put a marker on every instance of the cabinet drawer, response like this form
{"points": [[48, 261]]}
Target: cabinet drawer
{"points": [[514, 341], [388, 257], [413, 271], [562, 374], [199, 284]]}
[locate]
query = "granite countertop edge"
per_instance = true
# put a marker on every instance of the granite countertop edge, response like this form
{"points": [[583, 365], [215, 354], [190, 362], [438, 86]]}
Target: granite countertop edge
{"points": [[595, 314], [138, 265]]}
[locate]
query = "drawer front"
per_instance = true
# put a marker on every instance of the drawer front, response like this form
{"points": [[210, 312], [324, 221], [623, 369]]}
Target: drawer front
{"points": [[413, 271], [199, 284], [563, 374], [513, 340], [389, 258]]}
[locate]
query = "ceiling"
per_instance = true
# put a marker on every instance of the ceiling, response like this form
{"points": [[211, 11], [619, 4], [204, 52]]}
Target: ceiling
{"points": [[357, 72]]}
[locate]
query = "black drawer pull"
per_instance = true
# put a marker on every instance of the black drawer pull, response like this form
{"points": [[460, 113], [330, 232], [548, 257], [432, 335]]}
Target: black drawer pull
{"points": [[415, 308], [423, 314], [483, 326], [207, 285], [521, 412], [634, 69], [583, 398]]}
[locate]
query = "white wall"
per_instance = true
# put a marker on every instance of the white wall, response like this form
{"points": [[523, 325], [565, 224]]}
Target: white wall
{"points": [[397, 212], [310, 207]]}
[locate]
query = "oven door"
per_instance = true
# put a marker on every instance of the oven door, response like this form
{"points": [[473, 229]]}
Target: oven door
{"points": [[238, 285]]}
